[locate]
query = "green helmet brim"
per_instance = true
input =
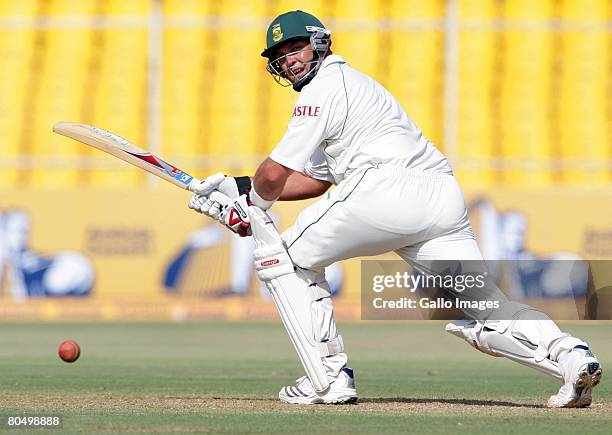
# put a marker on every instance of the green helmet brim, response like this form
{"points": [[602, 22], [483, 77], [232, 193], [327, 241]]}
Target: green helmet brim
{"points": [[268, 52]]}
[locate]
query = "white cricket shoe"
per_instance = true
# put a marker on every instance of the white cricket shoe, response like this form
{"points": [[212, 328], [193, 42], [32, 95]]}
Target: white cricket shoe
{"points": [[341, 390], [581, 372]]}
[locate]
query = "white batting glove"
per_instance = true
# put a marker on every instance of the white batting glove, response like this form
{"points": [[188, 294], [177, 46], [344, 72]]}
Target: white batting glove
{"points": [[231, 187], [207, 185], [200, 203], [196, 202], [235, 217], [209, 205], [229, 212]]}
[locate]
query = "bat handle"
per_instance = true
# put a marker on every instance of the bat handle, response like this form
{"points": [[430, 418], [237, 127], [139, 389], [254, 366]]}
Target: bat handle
{"points": [[194, 182]]}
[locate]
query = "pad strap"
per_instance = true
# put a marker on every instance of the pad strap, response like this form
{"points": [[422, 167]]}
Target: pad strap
{"points": [[319, 293], [331, 347]]}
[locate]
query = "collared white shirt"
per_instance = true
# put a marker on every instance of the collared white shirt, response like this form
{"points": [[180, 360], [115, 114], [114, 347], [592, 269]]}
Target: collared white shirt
{"points": [[343, 120]]}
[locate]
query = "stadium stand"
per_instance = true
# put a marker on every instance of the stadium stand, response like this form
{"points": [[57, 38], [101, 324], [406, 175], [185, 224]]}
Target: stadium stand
{"points": [[119, 91], [533, 84], [415, 63], [58, 85], [234, 97], [189, 61], [16, 48], [583, 100], [525, 94], [477, 141]]}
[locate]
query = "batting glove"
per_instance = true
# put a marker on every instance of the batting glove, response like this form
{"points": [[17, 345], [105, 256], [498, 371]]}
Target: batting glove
{"points": [[231, 213], [231, 187], [235, 217]]}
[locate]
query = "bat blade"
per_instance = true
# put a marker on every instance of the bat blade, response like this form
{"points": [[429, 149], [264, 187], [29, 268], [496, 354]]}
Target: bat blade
{"points": [[125, 150]]}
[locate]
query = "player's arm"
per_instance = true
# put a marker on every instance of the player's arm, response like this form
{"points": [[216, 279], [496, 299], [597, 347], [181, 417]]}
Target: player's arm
{"points": [[301, 186], [270, 179], [279, 182], [227, 198]]}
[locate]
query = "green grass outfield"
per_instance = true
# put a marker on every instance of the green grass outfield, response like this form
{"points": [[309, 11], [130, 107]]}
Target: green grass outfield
{"points": [[224, 377]]}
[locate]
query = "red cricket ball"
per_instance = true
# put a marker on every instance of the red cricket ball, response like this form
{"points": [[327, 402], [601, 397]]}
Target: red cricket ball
{"points": [[69, 351]]}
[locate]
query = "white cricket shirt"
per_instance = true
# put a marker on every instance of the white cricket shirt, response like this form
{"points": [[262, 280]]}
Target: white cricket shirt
{"points": [[343, 120]]}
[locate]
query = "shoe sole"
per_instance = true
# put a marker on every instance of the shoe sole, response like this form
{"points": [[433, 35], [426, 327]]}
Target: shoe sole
{"points": [[343, 398], [345, 401], [584, 386], [305, 401]]}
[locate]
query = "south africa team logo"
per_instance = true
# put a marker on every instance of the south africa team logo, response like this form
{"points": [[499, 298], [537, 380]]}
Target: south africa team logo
{"points": [[277, 32]]}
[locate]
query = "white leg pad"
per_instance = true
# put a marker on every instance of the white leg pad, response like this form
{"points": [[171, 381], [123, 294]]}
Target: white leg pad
{"points": [[294, 297], [498, 338], [530, 337]]}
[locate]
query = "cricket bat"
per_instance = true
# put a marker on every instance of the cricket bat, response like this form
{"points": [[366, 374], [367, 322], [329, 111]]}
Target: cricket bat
{"points": [[126, 151]]}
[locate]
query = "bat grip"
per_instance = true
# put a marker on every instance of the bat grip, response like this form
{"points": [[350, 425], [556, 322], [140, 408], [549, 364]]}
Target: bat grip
{"points": [[194, 182]]}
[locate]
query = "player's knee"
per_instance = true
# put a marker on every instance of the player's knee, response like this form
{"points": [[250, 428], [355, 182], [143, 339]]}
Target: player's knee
{"points": [[311, 276], [512, 310], [306, 260]]}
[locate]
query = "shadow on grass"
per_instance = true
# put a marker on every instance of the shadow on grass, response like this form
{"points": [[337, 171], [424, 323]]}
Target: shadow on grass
{"points": [[413, 400], [472, 402]]}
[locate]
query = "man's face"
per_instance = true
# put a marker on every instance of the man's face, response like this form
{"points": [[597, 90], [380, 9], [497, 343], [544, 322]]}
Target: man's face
{"points": [[294, 59]]}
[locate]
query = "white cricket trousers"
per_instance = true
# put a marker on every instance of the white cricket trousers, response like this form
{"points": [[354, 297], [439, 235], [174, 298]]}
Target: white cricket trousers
{"points": [[377, 209]]}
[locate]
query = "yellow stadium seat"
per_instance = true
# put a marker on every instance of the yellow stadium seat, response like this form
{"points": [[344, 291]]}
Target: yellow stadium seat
{"points": [[476, 136], [189, 57], [126, 8], [24, 9], [584, 120], [119, 95], [70, 7], [234, 91], [526, 137], [61, 79], [359, 34], [16, 50], [415, 53], [322, 9]]}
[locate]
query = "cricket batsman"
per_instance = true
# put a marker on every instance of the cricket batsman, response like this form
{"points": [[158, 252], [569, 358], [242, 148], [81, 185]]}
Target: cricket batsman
{"points": [[394, 191]]}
